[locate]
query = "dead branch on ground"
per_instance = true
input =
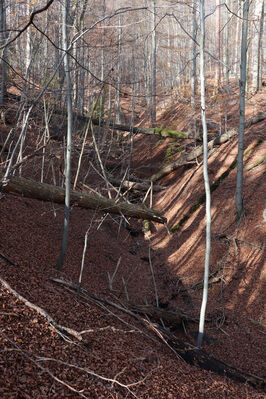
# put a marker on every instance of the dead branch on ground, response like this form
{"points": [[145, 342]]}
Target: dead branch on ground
{"points": [[42, 312]]}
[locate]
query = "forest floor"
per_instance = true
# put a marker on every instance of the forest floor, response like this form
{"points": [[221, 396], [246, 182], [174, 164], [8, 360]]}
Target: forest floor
{"points": [[106, 352]]}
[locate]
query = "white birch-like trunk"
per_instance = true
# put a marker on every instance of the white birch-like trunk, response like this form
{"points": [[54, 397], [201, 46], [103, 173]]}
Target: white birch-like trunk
{"points": [[194, 58], [28, 45], [226, 53], [65, 8], [217, 44], [193, 53], [206, 177], [153, 66]]}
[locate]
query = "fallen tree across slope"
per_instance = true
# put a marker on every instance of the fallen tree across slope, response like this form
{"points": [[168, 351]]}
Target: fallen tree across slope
{"points": [[183, 160], [47, 192], [162, 132]]}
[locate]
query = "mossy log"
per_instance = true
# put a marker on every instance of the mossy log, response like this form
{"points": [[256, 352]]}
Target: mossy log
{"points": [[191, 156], [183, 160], [162, 132], [47, 192]]}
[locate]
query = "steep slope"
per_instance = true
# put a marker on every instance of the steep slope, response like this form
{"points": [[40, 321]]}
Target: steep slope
{"points": [[120, 355]]}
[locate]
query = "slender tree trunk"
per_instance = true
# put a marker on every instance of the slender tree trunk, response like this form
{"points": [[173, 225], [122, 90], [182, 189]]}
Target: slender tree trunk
{"points": [[226, 58], [118, 116], [259, 67], [153, 67], [238, 11], [65, 8], [28, 44], [257, 44], [218, 42], [206, 177], [3, 64], [242, 85], [193, 83], [194, 57]]}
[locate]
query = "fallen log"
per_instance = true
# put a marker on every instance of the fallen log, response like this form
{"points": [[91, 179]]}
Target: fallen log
{"points": [[255, 119], [191, 156], [162, 132], [188, 352], [47, 192], [202, 359], [183, 160], [158, 131], [173, 319]]}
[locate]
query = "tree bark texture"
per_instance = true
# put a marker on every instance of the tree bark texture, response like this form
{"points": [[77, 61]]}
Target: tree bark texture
{"points": [[48, 192], [241, 128], [65, 9], [206, 176]]}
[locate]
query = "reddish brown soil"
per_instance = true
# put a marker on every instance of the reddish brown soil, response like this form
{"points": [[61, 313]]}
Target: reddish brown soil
{"points": [[38, 361]]}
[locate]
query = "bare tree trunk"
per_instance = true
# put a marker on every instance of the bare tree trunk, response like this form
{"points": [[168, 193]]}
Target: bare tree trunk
{"points": [[194, 58], [28, 44], [226, 58], [238, 12], [3, 64], [118, 116], [153, 66], [259, 67], [242, 86], [257, 44], [206, 177], [218, 40], [65, 8]]}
